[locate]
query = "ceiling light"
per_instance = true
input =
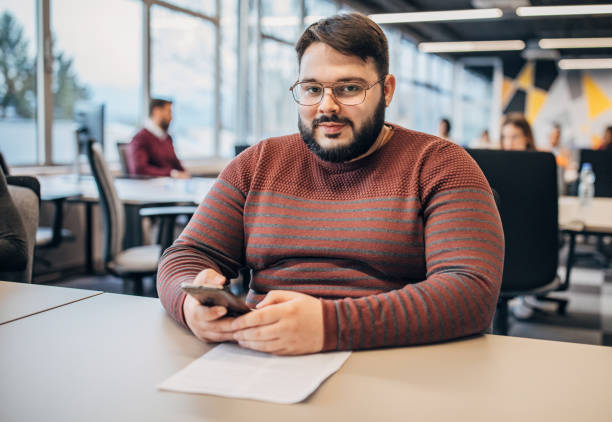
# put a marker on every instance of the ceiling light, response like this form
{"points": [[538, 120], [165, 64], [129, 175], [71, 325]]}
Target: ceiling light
{"points": [[575, 42], [443, 15], [571, 64], [588, 9], [468, 46]]}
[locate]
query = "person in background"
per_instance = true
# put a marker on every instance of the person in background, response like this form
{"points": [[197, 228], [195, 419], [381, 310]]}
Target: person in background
{"points": [[151, 152], [483, 141], [358, 233], [444, 129], [516, 134], [606, 144]]}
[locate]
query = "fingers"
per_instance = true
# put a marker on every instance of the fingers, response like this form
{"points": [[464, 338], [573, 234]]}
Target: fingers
{"points": [[264, 333], [275, 296], [266, 316], [209, 277], [263, 346]]}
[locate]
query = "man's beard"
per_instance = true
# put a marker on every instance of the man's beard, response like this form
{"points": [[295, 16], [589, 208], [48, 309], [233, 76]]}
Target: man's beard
{"points": [[164, 124], [362, 140]]}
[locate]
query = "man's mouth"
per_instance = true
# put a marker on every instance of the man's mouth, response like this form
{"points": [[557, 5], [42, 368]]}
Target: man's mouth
{"points": [[331, 127]]}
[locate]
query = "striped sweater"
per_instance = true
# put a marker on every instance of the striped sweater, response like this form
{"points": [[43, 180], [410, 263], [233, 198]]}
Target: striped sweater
{"points": [[404, 246]]}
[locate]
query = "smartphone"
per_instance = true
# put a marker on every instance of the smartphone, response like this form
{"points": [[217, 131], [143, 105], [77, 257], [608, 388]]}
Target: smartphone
{"points": [[217, 296]]}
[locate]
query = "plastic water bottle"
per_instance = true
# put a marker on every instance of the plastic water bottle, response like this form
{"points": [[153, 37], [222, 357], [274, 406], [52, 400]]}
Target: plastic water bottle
{"points": [[586, 185]]}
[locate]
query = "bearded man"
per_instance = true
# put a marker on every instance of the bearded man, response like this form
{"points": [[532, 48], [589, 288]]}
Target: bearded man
{"points": [[358, 233]]}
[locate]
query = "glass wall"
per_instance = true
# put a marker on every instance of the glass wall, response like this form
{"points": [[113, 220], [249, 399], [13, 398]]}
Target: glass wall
{"points": [[183, 70], [18, 142], [90, 70], [97, 53]]}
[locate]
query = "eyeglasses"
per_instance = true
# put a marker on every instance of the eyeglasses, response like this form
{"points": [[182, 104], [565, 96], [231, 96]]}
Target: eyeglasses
{"points": [[348, 93]]}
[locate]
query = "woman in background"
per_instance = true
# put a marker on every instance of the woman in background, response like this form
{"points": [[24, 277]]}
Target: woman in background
{"points": [[516, 133]]}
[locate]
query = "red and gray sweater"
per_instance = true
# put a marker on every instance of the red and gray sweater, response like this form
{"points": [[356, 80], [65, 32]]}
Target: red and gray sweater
{"points": [[404, 246], [151, 156]]}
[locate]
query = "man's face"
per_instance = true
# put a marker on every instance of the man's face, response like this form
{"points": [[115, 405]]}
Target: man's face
{"points": [[333, 131], [555, 137], [163, 116]]}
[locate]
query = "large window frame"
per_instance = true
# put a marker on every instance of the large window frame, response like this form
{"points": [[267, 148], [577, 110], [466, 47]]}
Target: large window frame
{"points": [[44, 74]]}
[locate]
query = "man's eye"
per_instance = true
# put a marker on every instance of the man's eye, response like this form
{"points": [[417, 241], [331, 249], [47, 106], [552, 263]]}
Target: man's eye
{"points": [[350, 89], [311, 89]]}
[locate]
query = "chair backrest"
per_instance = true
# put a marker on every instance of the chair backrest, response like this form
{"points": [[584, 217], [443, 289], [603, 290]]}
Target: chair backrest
{"points": [[526, 182], [601, 161], [25, 194], [123, 150], [3, 166], [113, 212]]}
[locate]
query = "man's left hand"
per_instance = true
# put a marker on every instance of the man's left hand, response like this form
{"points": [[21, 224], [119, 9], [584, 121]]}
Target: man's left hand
{"points": [[284, 323]]}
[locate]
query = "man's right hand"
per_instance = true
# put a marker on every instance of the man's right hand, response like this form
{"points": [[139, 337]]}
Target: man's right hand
{"points": [[207, 322]]}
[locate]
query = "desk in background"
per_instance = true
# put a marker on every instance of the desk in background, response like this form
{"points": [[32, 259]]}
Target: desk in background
{"points": [[595, 220], [101, 358], [135, 194]]}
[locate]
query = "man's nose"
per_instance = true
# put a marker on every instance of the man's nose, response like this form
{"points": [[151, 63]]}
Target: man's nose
{"points": [[328, 103]]}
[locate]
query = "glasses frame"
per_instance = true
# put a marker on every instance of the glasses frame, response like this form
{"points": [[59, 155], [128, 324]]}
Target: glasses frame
{"points": [[331, 86]]}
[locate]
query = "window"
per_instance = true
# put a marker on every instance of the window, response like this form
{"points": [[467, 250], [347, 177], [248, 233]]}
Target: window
{"points": [[279, 72], [206, 7], [229, 78], [90, 69], [18, 141], [281, 19], [183, 70]]}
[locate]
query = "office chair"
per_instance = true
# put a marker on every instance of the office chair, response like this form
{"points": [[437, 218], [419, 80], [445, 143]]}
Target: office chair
{"points": [[123, 150], [48, 237], [526, 183], [25, 193], [601, 161], [133, 263]]}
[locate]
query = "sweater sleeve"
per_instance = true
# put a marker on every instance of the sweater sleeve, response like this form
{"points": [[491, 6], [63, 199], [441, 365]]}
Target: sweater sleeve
{"points": [[464, 250], [139, 163], [214, 238], [176, 163]]}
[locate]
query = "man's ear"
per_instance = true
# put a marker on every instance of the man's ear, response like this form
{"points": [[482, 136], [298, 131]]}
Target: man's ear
{"points": [[389, 88]]}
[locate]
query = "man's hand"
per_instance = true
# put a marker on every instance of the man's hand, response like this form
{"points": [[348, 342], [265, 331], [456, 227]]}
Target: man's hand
{"points": [[204, 321], [284, 323], [178, 174]]}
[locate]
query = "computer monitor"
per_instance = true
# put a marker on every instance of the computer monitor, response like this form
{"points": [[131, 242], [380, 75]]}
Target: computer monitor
{"points": [[89, 118]]}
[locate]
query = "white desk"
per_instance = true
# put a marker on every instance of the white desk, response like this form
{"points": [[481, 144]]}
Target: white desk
{"points": [[19, 300], [594, 220], [100, 359], [130, 191]]}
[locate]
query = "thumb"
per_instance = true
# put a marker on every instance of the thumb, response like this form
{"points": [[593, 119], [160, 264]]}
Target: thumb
{"points": [[274, 297], [209, 277]]}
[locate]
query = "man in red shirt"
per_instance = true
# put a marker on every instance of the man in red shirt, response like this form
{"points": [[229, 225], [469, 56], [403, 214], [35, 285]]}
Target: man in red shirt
{"points": [[359, 233], [151, 152]]}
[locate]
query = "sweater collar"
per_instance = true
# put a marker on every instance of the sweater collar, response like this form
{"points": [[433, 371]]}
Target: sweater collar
{"points": [[155, 129]]}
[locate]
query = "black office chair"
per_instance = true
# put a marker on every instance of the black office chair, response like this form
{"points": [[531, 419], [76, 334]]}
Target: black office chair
{"points": [[526, 183], [601, 162], [25, 195]]}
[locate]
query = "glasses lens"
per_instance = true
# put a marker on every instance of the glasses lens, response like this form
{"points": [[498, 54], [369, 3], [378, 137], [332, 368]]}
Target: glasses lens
{"points": [[308, 93], [349, 93]]}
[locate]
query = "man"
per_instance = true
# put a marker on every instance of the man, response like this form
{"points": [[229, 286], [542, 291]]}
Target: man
{"points": [[151, 152], [358, 233]]}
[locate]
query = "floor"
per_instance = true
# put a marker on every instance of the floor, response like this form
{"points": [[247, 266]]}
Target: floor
{"points": [[588, 319]]}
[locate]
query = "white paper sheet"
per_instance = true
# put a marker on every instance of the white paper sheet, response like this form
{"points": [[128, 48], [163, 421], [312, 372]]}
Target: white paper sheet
{"points": [[231, 371]]}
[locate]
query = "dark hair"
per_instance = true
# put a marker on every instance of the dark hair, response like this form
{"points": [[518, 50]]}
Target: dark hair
{"points": [[518, 120], [556, 125], [447, 123], [157, 103], [352, 34]]}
